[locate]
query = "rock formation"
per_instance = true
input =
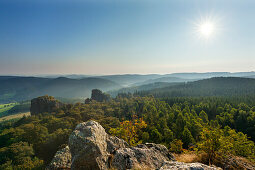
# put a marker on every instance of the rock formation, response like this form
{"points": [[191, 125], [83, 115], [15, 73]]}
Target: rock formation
{"points": [[88, 101], [91, 148], [44, 104], [99, 96], [235, 162], [144, 156], [61, 160]]}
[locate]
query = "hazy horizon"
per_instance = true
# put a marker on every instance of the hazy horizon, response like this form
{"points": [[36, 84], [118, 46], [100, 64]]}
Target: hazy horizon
{"points": [[65, 74], [126, 37]]}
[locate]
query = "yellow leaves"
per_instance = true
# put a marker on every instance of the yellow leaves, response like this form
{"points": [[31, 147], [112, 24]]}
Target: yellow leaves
{"points": [[129, 130]]}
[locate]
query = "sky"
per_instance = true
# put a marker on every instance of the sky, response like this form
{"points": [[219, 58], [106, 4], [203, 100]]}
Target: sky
{"points": [[125, 37]]}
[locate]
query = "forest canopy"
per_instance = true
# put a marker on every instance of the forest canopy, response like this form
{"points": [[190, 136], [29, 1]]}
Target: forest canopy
{"points": [[178, 123]]}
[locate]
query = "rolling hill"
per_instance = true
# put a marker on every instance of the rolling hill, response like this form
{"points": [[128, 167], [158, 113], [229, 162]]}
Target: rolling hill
{"points": [[166, 80], [144, 87], [252, 76], [217, 86], [129, 80], [26, 88]]}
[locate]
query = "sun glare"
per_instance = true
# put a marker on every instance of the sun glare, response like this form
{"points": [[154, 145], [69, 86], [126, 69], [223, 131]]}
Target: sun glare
{"points": [[206, 29]]}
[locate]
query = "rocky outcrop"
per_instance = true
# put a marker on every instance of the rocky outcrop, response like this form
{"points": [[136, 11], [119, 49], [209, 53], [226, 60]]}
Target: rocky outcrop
{"points": [[93, 149], [235, 162], [144, 156], [44, 104], [186, 166], [61, 160], [91, 146], [99, 96]]}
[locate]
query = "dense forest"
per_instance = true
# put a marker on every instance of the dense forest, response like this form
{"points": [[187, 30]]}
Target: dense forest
{"points": [[217, 86], [216, 126]]}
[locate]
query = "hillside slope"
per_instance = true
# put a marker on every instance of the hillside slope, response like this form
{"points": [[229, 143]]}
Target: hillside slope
{"points": [[218, 86], [26, 88]]}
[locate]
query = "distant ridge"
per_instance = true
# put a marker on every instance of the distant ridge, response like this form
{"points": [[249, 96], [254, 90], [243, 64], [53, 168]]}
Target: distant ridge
{"points": [[217, 86], [139, 79], [26, 88]]}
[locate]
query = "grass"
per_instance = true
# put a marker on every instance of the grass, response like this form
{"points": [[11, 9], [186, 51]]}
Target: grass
{"points": [[15, 116], [190, 157], [5, 107]]}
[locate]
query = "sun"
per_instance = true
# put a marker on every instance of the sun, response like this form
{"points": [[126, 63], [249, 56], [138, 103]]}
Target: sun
{"points": [[207, 29]]}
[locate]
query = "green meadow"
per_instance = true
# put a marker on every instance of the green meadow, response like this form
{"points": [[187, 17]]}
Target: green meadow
{"points": [[5, 107]]}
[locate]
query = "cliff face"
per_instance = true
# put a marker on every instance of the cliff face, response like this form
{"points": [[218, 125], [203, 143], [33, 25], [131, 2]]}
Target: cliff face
{"points": [[44, 104], [91, 148]]}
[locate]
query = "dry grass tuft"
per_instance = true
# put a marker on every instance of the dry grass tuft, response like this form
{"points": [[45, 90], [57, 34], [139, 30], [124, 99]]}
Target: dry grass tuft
{"points": [[191, 157]]}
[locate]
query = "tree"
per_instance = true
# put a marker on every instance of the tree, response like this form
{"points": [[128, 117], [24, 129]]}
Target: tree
{"points": [[19, 156], [203, 116], [156, 136], [129, 130], [145, 137], [168, 135], [180, 123], [176, 146], [212, 142], [187, 137]]}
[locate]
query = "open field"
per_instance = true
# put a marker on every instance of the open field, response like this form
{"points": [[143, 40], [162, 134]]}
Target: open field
{"points": [[5, 107], [15, 116], [14, 108], [2, 106]]}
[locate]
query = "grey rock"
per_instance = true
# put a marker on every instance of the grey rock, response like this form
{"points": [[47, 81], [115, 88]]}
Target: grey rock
{"points": [[61, 160], [91, 146], [235, 162], [144, 156], [173, 165]]}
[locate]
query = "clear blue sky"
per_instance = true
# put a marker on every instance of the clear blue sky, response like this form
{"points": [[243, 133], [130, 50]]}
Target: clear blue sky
{"points": [[125, 36]]}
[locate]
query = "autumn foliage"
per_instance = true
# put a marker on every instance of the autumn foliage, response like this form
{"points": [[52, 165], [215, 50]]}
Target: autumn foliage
{"points": [[130, 130]]}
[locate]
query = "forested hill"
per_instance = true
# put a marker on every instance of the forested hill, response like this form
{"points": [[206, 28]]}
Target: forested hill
{"points": [[218, 86], [26, 88]]}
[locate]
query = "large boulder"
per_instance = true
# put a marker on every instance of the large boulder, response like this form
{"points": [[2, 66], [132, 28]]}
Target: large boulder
{"points": [[93, 149], [144, 156], [61, 160], [44, 104], [91, 146]]}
